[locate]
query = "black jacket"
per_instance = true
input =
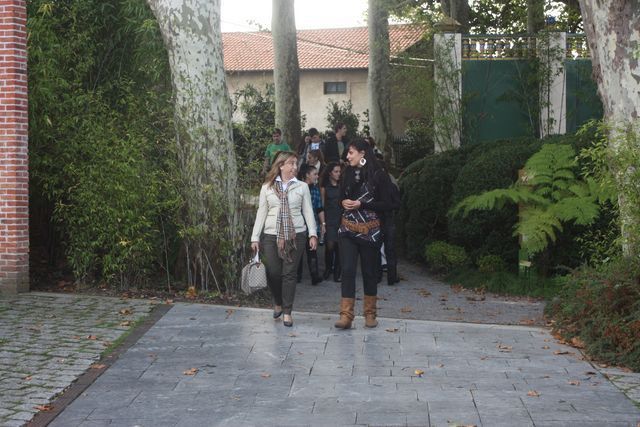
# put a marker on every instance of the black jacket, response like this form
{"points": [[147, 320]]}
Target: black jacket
{"points": [[380, 184]]}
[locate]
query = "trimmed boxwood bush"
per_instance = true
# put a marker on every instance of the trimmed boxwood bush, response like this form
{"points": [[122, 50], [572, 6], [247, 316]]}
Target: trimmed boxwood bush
{"points": [[493, 165], [426, 191], [444, 257], [491, 264]]}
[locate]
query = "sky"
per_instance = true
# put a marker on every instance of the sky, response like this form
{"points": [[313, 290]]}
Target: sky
{"points": [[252, 15]]}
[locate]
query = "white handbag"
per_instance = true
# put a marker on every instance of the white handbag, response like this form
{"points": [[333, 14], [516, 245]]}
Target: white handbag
{"points": [[254, 275]]}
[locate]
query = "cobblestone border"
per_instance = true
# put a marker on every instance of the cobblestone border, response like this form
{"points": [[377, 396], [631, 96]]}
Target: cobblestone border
{"points": [[86, 379]]}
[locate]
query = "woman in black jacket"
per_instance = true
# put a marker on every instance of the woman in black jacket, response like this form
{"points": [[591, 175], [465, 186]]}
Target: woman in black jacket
{"points": [[365, 196]]}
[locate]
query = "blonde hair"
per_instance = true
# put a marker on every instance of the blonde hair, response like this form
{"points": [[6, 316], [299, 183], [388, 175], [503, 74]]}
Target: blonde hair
{"points": [[280, 159]]}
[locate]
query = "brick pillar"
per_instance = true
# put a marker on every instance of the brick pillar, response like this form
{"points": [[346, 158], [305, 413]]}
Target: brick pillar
{"points": [[14, 166]]}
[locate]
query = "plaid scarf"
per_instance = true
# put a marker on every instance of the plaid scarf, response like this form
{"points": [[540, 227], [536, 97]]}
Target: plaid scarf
{"points": [[285, 231]]}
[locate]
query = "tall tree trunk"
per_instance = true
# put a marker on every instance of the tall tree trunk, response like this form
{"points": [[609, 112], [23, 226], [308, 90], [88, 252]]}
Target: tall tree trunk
{"points": [[535, 16], [613, 32], [286, 72], [191, 33], [379, 76]]}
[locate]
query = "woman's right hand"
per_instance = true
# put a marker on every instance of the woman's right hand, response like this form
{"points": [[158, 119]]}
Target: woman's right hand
{"points": [[255, 247]]}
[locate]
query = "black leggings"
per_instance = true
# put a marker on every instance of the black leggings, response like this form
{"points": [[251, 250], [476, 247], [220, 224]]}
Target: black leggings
{"points": [[350, 249], [332, 258]]}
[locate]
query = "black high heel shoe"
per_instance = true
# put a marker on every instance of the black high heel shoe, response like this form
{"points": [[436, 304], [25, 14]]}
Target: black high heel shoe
{"points": [[277, 314], [288, 323]]}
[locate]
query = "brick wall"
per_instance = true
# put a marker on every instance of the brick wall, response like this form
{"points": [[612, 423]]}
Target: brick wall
{"points": [[14, 167]]}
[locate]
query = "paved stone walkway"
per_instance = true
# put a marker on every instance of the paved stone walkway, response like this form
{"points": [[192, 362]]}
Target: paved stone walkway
{"points": [[48, 340], [419, 296], [210, 365]]}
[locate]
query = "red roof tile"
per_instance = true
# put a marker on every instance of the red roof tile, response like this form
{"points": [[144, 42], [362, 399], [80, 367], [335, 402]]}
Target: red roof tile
{"points": [[336, 48]]}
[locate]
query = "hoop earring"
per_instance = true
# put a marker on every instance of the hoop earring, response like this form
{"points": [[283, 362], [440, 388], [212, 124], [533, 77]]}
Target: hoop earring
{"points": [[363, 161]]}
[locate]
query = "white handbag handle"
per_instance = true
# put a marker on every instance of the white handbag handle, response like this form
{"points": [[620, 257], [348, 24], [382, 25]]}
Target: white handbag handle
{"points": [[256, 258]]}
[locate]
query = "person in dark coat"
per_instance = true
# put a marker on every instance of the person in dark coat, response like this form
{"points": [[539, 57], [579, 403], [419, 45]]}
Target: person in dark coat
{"points": [[364, 194]]}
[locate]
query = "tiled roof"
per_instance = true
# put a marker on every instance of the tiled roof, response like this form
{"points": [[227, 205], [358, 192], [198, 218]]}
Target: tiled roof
{"points": [[336, 48]]}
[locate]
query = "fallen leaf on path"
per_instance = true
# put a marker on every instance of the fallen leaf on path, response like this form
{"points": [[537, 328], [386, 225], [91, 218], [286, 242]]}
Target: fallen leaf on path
{"points": [[44, 408], [191, 371], [126, 311], [106, 343], [191, 292], [444, 297], [477, 298], [457, 288], [425, 293], [291, 334], [574, 382], [29, 378], [126, 323], [91, 337], [98, 366], [418, 372], [533, 393], [527, 321], [590, 373], [559, 352], [391, 329], [483, 358], [441, 366], [406, 309], [545, 347], [229, 311], [168, 301], [577, 342], [503, 348], [265, 375]]}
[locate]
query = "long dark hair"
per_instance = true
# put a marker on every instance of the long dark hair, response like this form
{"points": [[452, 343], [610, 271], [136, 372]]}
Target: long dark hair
{"points": [[367, 172], [325, 179]]}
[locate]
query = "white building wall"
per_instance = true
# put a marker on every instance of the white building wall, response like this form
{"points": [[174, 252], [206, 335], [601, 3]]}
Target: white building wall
{"points": [[313, 100]]}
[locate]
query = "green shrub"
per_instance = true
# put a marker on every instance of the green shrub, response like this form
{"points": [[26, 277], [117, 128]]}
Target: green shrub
{"points": [[601, 306], [493, 165], [426, 192], [491, 264], [101, 138], [343, 113], [443, 257], [253, 134]]}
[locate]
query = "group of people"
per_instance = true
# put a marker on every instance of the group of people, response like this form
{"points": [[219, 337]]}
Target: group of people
{"points": [[347, 204]]}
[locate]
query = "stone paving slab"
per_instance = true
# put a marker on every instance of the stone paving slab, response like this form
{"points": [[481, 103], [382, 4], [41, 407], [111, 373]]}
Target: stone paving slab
{"points": [[48, 340], [420, 296], [213, 365]]}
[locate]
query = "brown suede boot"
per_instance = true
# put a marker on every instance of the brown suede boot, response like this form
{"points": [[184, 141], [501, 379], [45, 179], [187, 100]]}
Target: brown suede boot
{"points": [[370, 311], [346, 313]]}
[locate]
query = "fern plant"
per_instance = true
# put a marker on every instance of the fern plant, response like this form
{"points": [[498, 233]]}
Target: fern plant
{"points": [[548, 193]]}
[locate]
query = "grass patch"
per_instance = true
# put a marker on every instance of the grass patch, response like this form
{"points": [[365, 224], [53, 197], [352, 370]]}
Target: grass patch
{"points": [[118, 341], [505, 283]]}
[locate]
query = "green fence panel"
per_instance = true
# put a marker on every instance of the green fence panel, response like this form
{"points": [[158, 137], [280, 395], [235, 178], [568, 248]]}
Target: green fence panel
{"points": [[495, 96], [500, 98], [583, 102]]}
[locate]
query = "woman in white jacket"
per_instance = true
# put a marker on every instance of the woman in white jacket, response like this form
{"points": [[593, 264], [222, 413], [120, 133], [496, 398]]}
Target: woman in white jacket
{"points": [[283, 223]]}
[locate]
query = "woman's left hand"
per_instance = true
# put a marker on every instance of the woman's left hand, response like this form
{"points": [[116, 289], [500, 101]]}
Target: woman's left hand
{"points": [[313, 243], [351, 204]]}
